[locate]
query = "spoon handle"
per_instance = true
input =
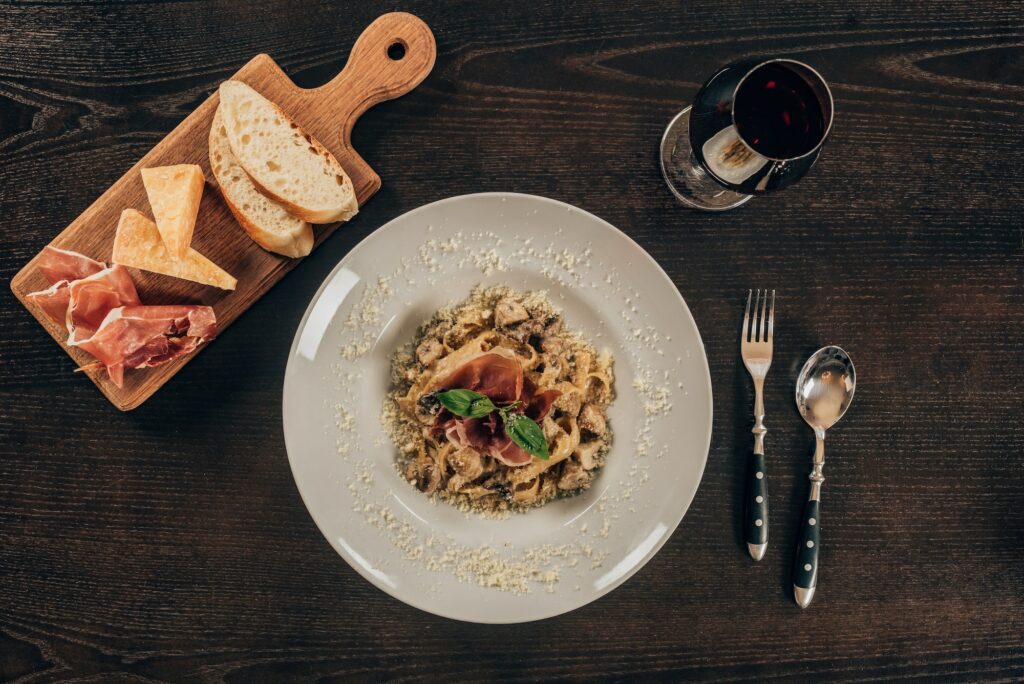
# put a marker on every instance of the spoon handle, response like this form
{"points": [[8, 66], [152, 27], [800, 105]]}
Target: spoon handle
{"points": [[805, 566], [755, 516]]}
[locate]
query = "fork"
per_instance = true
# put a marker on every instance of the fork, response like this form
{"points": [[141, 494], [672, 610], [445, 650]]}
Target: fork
{"points": [[756, 350]]}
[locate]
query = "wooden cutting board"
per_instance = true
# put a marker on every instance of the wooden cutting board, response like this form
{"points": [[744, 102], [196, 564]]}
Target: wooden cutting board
{"points": [[391, 57]]}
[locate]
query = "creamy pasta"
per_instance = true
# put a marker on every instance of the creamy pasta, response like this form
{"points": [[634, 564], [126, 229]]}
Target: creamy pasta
{"points": [[510, 346]]}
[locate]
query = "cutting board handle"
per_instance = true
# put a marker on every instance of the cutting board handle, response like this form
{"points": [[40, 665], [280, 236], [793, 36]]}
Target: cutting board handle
{"points": [[391, 57]]}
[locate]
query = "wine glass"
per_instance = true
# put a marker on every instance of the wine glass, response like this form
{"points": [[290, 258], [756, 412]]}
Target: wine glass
{"points": [[755, 126]]}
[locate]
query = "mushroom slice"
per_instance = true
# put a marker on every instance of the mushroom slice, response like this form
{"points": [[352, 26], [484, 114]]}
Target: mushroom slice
{"points": [[509, 312], [587, 453], [592, 419], [429, 351], [573, 477], [467, 463]]}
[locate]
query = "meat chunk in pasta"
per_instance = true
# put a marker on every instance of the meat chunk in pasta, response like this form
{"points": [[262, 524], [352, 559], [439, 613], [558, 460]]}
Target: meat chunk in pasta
{"points": [[591, 419], [429, 351], [509, 312], [573, 477]]}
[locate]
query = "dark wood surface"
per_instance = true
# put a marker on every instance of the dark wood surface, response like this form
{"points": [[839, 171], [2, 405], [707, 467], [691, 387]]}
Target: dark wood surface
{"points": [[170, 543]]}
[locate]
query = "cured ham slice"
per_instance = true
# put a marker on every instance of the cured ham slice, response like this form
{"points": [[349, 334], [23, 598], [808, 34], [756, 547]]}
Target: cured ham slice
{"points": [[510, 453], [53, 300], [487, 436], [497, 376], [61, 267], [147, 336], [90, 299], [82, 304], [501, 379], [60, 264], [537, 406], [104, 316]]}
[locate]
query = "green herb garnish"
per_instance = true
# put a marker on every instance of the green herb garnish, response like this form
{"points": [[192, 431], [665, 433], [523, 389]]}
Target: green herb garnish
{"points": [[527, 434], [523, 431], [466, 403]]}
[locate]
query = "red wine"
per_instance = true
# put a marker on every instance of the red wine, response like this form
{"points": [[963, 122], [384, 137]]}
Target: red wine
{"points": [[757, 126], [777, 112]]}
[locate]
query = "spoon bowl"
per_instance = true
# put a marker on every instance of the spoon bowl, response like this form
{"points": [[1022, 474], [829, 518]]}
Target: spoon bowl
{"points": [[825, 386]]}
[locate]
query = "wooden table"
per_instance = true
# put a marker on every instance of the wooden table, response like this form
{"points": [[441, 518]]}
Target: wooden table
{"points": [[170, 543]]}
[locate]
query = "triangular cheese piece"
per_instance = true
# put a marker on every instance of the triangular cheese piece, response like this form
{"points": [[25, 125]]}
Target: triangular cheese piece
{"points": [[174, 193], [138, 244]]}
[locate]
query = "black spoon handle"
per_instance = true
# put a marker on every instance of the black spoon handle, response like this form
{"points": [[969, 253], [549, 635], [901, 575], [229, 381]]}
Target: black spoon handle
{"points": [[755, 516], [805, 566]]}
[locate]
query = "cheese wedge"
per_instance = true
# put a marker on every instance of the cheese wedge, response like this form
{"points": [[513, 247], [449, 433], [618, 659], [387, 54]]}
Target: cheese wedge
{"points": [[174, 193], [138, 244]]}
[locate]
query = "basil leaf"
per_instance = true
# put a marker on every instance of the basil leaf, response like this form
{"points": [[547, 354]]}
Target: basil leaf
{"points": [[466, 403], [481, 407], [527, 434]]}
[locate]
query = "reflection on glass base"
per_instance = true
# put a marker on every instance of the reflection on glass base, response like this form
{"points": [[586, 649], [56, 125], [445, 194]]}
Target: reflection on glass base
{"points": [[688, 181]]}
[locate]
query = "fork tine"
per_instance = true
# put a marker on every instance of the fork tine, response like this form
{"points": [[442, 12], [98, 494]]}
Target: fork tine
{"points": [[763, 323], [756, 332], [771, 320], [746, 318]]}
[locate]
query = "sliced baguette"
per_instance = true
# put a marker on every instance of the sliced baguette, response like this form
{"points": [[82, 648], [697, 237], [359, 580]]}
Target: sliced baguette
{"points": [[266, 221], [174, 194], [137, 244], [284, 161]]}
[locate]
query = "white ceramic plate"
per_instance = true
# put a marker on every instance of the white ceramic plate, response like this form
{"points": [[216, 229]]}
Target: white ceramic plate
{"points": [[429, 554]]}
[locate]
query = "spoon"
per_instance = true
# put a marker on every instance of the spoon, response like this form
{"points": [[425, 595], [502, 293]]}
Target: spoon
{"points": [[824, 390]]}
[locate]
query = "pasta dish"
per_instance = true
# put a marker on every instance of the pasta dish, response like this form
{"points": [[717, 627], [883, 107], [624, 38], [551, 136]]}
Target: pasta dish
{"points": [[496, 405]]}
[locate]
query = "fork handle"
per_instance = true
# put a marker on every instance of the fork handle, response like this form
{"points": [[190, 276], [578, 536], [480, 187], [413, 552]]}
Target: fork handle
{"points": [[755, 516], [805, 566]]}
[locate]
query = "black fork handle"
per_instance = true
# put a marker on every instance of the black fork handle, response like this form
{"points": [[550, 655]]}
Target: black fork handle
{"points": [[755, 518]]}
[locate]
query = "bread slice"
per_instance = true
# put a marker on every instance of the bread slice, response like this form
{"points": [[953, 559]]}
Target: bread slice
{"points": [[285, 162], [266, 221], [138, 244], [174, 193]]}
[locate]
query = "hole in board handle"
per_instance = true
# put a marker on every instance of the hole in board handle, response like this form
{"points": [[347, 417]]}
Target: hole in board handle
{"points": [[396, 51]]}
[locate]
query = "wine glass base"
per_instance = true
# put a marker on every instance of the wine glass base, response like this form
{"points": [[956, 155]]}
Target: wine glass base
{"points": [[689, 182]]}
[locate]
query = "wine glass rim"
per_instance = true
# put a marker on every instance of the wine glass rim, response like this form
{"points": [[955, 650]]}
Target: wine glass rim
{"points": [[821, 80]]}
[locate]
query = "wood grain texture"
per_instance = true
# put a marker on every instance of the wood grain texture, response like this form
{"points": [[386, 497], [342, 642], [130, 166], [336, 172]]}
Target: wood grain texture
{"points": [[170, 544], [328, 112]]}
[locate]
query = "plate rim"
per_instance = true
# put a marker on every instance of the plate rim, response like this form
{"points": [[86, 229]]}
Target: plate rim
{"points": [[655, 548]]}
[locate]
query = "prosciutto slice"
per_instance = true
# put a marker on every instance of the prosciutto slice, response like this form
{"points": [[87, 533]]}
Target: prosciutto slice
{"points": [[61, 267], [487, 436], [147, 336], [536, 406], [499, 377], [90, 299], [53, 300], [60, 264], [104, 316]]}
